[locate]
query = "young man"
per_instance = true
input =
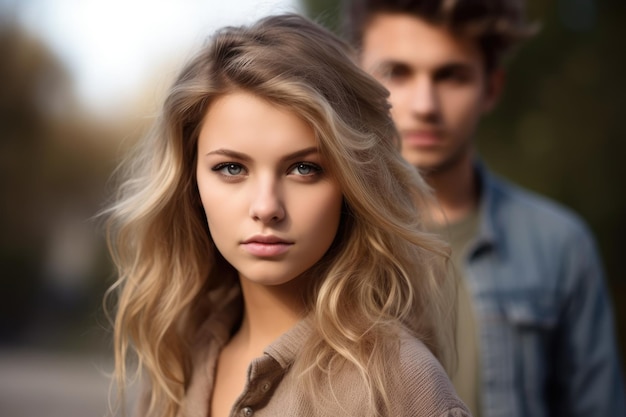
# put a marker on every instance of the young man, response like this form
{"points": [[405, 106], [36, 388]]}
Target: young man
{"points": [[535, 328]]}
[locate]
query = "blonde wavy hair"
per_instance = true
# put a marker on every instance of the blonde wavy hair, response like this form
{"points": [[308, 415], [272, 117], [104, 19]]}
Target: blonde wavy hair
{"points": [[382, 273]]}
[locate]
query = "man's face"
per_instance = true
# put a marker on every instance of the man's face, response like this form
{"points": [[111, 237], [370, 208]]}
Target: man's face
{"points": [[438, 87]]}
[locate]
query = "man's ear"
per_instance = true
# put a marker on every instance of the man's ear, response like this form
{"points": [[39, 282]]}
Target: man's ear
{"points": [[494, 87]]}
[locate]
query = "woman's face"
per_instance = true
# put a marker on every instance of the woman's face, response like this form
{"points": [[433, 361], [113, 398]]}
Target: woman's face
{"points": [[272, 207]]}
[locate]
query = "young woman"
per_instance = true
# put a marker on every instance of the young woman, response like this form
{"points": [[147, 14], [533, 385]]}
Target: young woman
{"points": [[269, 244]]}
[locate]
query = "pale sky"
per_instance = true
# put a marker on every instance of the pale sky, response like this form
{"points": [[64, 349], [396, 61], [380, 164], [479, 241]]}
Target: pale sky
{"points": [[112, 46]]}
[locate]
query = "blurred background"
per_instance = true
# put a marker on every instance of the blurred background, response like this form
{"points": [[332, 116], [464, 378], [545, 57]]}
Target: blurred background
{"points": [[80, 80]]}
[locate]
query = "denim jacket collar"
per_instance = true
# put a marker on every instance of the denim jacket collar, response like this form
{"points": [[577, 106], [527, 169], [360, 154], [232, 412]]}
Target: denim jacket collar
{"points": [[487, 238]]}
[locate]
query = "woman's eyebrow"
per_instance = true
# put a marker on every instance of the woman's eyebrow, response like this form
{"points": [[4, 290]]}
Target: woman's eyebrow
{"points": [[230, 153], [244, 157], [301, 153]]}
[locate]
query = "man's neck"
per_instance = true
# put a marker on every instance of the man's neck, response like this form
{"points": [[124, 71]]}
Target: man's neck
{"points": [[456, 190]]}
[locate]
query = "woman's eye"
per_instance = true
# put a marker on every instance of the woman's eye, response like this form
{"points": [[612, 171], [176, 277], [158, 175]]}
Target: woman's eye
{"points": [[229, 169], [305, 169]]}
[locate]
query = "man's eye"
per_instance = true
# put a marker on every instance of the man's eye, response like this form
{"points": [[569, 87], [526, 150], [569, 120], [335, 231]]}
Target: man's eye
{"points": [[455, 75], [395, 72], [398, 72], [229, 169]]}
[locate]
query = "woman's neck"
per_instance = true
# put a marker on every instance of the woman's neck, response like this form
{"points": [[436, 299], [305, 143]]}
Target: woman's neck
{"points": [[269, 311]]}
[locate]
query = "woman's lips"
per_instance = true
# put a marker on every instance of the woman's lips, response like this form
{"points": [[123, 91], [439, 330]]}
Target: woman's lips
{"points": [[265, 249], [266, 246]]}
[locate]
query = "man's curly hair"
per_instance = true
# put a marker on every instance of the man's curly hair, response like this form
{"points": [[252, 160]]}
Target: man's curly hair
{"points": [[496, 25]]}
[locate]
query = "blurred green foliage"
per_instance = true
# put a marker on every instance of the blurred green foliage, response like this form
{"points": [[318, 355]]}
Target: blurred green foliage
{"points": [[559, 127]]}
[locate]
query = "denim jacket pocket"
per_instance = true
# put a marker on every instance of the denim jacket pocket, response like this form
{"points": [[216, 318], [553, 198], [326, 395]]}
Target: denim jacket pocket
{"points": [[530, 313], [531, 323]]}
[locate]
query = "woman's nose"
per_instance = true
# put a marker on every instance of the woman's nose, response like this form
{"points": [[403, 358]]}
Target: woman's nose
{"points": [[267, 204]]}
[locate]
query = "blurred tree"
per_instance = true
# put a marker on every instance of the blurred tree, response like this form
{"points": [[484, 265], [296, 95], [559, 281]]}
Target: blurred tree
{"points": [[26, 72], [558, 128], [326, 12], [53, 166]]}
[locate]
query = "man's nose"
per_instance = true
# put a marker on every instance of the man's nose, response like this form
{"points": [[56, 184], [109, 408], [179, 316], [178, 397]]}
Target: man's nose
{"points": [[423, 98]]}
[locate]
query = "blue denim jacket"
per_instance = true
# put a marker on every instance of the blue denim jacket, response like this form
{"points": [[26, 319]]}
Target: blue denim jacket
{"points": [[546, 328]]}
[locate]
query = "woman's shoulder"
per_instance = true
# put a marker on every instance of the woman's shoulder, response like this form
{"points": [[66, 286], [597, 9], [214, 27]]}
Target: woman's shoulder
{"points": [[423, 387], [417, 361]]}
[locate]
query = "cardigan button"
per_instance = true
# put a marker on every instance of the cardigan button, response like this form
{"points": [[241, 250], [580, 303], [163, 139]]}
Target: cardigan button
{"points": [[247, 411]]}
